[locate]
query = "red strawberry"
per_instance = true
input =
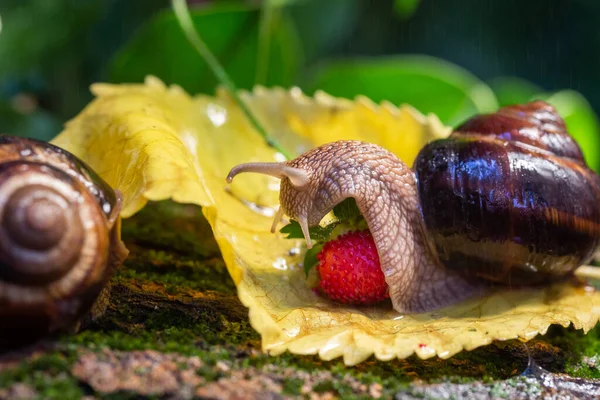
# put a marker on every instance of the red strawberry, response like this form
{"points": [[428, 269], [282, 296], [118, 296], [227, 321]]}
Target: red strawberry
{"points": [[349, 270]]}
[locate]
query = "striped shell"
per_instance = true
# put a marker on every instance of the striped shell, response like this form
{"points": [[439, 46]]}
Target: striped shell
{"points": [[509, 198], [59, 239]]}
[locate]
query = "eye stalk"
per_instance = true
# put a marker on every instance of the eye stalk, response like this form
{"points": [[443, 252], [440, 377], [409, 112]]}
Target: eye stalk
{"points": [[298, 178]]}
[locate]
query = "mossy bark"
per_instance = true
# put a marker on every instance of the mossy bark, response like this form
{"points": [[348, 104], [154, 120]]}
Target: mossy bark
{"points": [[173, 302]]}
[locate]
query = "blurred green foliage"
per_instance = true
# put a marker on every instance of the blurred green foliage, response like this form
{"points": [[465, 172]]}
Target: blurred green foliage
{"points": [[230, 31], [450, 58], [429, 84]]}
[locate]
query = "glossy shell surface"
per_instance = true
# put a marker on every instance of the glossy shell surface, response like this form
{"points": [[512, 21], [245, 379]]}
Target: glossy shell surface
{"points": [[57, 254], [508, 197], [13, 148]]}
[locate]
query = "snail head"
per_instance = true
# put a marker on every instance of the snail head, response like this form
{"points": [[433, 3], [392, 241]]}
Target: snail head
{"points": [[296, 192]]}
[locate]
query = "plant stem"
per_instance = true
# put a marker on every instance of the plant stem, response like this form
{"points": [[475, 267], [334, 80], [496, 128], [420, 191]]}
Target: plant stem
{"points": [[184, 18], [264, 41]]}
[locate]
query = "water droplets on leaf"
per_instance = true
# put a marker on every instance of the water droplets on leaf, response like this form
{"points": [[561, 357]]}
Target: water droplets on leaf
{"points": [[148, 158]]}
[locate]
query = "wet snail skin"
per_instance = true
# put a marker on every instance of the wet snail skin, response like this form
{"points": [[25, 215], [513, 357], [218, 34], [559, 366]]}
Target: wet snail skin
{"points": [[506, 200]]}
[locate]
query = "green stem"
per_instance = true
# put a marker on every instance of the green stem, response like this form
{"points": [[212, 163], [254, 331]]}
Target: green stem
{"points": [[264, 41], [184, 18]]}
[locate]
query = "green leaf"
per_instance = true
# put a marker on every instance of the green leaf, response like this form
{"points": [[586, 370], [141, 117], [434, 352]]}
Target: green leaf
{"points": [[406, 8], [229, 30], [24, 48], [292, 230], [581, 120], [429, 84], [512, 90], [37, 124], [347, 210], [310, 257], [318, 233], [325, 25]]}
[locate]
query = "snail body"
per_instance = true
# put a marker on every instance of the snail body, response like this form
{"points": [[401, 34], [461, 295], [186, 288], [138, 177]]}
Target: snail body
{"points": [[59, 239], [506, 199]]}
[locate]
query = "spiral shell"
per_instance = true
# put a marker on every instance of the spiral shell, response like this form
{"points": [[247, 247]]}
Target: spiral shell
{"points": [[509, 198], [59, 239]]}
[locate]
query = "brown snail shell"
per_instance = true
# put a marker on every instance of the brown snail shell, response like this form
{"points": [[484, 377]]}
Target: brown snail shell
{"points": [[59, 239], [509, 198], [426, 221]]}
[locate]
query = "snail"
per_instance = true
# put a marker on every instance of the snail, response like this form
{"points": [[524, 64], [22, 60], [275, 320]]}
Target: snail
{"points": [[506, 200], [59, 240]]}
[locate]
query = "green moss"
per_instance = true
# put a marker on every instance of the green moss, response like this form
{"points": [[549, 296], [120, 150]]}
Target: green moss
{"points": [[173, 244], [491, 362], [323, 386], [52, 363], [173, 227], [48, 374], [292, 386], [393, 376], [154, 321], [165, 268], [209, 373], [487, 363], [174, 294], [577, 346], [498, 392]]}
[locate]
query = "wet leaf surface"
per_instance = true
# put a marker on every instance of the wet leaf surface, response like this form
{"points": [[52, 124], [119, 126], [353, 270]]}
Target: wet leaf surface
{"points": [[154, 142]]}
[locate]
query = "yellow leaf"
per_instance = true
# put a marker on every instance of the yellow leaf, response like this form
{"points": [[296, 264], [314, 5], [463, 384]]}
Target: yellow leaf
{"points": [[154, 142]]}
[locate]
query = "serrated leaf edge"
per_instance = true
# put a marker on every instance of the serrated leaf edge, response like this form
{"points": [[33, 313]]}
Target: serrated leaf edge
{"points": [[356, 345]]}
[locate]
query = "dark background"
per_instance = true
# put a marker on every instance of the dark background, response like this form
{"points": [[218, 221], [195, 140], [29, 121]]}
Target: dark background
{"points": [[510, 50]]}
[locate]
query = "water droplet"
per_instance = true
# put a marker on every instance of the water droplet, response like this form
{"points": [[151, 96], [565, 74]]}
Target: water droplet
{"points": [[280, 264], [292, 332], [259, 209], [216, 114], [280, 157]]}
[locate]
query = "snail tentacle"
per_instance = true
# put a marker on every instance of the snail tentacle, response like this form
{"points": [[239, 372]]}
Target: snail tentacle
{"points": [[277, 219], [297, 177]]}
